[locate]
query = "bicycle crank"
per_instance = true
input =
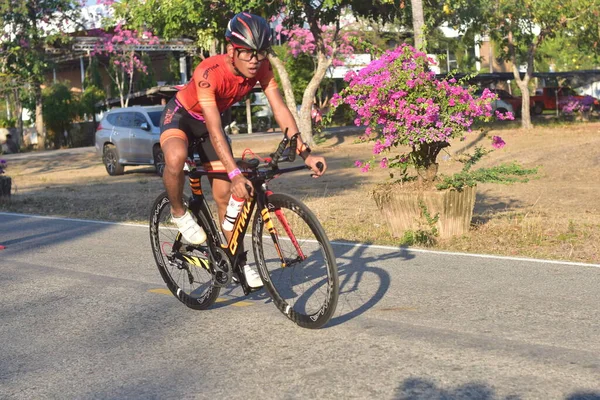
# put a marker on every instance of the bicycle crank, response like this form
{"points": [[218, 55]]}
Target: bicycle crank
{"points": [[221, 266]]}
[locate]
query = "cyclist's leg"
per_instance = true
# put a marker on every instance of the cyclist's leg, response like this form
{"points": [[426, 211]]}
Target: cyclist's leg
{"points": [[174, 144], [221, 191], [221, 188]]}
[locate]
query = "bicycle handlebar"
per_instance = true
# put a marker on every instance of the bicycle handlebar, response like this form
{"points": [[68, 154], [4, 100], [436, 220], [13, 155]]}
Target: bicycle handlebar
{"points": [[278, 156]]}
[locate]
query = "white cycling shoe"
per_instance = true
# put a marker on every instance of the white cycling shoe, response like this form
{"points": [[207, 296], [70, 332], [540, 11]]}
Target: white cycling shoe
{"points": [[252, 277], [189, 228]]}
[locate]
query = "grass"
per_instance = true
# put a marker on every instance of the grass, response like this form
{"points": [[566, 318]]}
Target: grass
{"points": [[554, 216]]}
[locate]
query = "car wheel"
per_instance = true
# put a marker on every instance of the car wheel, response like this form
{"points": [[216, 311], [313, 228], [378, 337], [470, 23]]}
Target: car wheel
{"points": [[110, 158], [538, 108], [159, 161]]}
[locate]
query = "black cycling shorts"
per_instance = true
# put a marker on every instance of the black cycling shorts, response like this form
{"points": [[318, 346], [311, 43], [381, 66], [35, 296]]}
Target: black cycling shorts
{"points": [[175, 116]]}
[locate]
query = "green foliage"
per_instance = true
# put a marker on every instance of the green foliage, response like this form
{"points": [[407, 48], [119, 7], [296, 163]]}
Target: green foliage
{"points": [[203, 21], [300, 70], [60, 108], [564, 54], [23, 48], [503, 173], [147, 80], [91, 96], [92, 74], [171, 74], [7, 122], [425, 235]]}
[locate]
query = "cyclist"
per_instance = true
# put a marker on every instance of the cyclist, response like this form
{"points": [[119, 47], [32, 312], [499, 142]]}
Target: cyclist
{"points": [[217, 83]]}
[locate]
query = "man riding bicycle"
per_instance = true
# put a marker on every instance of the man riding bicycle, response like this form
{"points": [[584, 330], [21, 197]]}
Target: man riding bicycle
{"points": [[194, 113]]}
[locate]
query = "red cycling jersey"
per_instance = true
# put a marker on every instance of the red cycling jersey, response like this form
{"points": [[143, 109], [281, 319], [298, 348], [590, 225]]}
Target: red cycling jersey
{"points": [[214, 83]]}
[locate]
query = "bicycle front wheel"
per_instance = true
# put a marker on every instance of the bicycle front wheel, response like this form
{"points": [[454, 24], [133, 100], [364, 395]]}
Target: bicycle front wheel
{"points": [[184, 267], [295, 261]]}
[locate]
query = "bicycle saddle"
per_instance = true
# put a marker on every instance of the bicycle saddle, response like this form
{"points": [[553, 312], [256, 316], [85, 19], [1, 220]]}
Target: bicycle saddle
{"points": [[248, 164]]}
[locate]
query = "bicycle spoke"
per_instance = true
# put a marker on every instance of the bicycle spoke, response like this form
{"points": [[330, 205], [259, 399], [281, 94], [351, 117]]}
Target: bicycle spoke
{"points": [[184, 267], [299, 271]]}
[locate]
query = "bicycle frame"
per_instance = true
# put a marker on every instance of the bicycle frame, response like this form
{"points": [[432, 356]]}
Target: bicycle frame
{"points": [[259, 202]]}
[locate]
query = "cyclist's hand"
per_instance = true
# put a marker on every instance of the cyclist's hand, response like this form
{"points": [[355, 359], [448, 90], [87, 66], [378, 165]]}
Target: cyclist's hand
{"points": [[312, 161], [238, 187]]}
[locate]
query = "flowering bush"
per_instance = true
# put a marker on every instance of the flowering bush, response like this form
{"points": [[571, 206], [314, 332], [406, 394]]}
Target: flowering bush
{"points": [[403, 104], [574, 104]]}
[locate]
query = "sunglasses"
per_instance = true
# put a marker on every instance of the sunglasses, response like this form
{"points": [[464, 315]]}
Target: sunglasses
{"points": [[245, 54]]}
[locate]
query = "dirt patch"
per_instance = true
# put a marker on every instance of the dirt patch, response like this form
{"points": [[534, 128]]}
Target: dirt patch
{"points": [[556, 215]]}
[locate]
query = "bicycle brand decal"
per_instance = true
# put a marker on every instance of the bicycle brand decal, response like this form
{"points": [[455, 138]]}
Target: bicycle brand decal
{"points": [[199, 262], [239, 226], [273, 232], [267, 219], [325, 305]]}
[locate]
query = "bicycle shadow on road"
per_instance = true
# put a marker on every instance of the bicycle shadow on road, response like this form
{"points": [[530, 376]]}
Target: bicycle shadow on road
{"points": [[362, 283]]}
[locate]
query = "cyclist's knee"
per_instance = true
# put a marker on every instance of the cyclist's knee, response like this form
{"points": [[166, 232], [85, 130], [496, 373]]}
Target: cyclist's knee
{"points": [[175, 152]]}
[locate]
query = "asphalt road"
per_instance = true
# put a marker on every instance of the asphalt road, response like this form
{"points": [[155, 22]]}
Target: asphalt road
{"points": [[84, 315]]}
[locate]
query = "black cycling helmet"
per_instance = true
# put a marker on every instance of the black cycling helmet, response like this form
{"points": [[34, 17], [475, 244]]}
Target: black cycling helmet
{"points": [[249, 31]]}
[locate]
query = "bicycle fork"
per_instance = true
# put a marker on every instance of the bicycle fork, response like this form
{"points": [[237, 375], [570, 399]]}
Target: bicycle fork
{"points": [[288, 230]]}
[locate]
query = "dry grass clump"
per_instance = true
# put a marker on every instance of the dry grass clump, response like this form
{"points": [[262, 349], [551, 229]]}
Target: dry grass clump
{"points": [[537, 234]]}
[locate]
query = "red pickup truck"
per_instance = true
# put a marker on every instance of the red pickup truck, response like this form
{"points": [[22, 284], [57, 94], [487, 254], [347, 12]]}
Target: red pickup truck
{"points": [[551, 98]]}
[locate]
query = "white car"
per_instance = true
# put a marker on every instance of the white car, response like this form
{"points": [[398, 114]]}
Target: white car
{"points": [[130, 136], [502, 107]]}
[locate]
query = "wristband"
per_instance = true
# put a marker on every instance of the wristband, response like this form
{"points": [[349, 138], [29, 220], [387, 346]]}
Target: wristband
{"points": [[305, 152], [234, 173]]}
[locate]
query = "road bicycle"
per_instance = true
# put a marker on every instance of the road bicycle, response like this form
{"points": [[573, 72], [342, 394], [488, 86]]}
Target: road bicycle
{"points": [[294, 257]]}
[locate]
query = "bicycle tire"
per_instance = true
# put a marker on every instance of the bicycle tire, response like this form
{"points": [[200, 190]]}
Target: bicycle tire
{"points": [[199, 293], [305, 290]]}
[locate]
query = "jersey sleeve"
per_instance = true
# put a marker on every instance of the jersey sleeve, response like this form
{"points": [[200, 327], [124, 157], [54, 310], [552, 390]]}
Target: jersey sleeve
{"points": [[206, 86], [266, 77]]}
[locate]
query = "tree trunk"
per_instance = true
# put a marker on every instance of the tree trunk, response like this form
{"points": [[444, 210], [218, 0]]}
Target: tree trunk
{"points": [[19, 114], [523, 84], [288, 92], [39, 118], [308, 98], [418, 21], [426, 175]]}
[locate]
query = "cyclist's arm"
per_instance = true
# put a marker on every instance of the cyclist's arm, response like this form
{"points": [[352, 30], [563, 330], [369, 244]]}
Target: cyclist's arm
{"points": [[218, 139], [283, 116], [284, 119], [220, 144], [212, 118]]}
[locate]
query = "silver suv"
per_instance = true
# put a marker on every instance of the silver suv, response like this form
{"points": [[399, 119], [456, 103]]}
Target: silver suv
{"points": [[130, 136]]}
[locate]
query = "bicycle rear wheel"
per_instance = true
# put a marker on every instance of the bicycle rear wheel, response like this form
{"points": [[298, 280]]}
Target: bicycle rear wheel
{"points": [[184, 268], [296, 262]]}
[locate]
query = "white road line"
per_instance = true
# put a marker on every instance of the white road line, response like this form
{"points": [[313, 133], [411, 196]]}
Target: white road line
{"points": [[352, 245]]}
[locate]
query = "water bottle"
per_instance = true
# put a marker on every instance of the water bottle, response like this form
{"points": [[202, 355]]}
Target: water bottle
{"points": [[233, 209]]}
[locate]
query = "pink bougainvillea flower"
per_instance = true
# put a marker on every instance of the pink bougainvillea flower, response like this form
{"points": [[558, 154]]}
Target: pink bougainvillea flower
{"points": [[400, 102], [497, 142]]}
